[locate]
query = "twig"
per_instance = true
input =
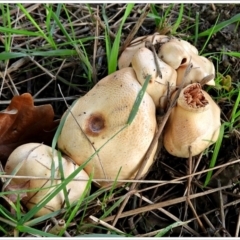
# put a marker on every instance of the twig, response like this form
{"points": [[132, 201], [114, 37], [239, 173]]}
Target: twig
{"points": [[94, 75], [166, 203], [189, 191], [170, 215], [97, 220], [210, 224], [206, 79], [238, 226], [135, 29], [151, 46], [222, 215]]}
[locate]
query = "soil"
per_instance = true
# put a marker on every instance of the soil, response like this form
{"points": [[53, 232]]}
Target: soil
{"points": [[209, 208]]}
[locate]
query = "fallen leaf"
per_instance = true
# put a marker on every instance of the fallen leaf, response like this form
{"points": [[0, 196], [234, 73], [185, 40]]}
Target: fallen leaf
{"points": [[22, 122]]}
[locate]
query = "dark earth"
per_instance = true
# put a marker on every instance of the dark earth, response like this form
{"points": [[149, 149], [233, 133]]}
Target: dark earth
{"points": [[166, 167]]}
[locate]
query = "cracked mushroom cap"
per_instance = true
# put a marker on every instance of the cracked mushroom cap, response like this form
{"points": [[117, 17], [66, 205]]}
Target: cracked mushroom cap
{"points": [[158, 86], [35, 160], [125, 58], [179, 53], [98, 116], [194, 121]]}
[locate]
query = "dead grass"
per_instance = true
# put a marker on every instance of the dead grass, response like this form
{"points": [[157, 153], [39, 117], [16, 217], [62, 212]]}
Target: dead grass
{"points": [[173, 191]]}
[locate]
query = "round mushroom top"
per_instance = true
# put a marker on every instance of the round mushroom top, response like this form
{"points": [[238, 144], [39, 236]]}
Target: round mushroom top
{"points": [[101, 116]]}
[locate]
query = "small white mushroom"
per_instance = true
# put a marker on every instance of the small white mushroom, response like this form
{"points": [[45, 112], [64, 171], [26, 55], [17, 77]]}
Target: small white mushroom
{"points": [[125, 58], [201, 68], [194, 121], [144, 64], [101, 113], [179, 54], [36, 160]]}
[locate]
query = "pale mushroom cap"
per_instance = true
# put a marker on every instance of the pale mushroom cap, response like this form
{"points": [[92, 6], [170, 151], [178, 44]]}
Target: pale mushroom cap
{"points": [[201, 67], [179, 54], [101, 113], [126, 57], [144, 64], [185, 44], [36, 160], [194, 121], [174, 54]]}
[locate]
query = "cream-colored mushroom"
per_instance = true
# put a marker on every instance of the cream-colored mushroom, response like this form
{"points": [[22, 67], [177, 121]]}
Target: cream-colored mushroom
{"points": [[201, 68], [144, 64], [36, 160], [101, 113], [179, 54], [194, 121], [125, 58]]}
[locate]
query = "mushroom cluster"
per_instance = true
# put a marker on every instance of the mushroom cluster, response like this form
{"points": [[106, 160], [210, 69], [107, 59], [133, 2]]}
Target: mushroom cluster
{"points": [[96, 129], [195, 120]]}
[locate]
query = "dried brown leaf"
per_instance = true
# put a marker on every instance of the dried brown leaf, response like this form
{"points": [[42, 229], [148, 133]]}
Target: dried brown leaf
{"points": [[22, 122]]}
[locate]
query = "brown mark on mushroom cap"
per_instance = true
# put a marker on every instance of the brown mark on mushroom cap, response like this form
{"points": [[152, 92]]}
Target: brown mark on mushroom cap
{"points": [[95, 124]]}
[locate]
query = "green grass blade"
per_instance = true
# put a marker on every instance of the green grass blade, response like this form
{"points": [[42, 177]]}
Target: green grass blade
{"points": [[3, 230], [34, 231], [112, 64], [58, 11], [234, 113], [106, 34], [179, 19], [60, 126], [114, 183], [7, 215], [166, 12], [218, 27], [7, 24], [60, 166], [20, 32], [114, 206], [51, 53], [196, 29], [38, 220], [99, 235], [52, 43], [138, 100], [81, 56], [215, 154], [69, 21], [155, 15], [48, 17], [76, 208], [18, 208], [209, 36], [168, 228], [232, 54]]}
